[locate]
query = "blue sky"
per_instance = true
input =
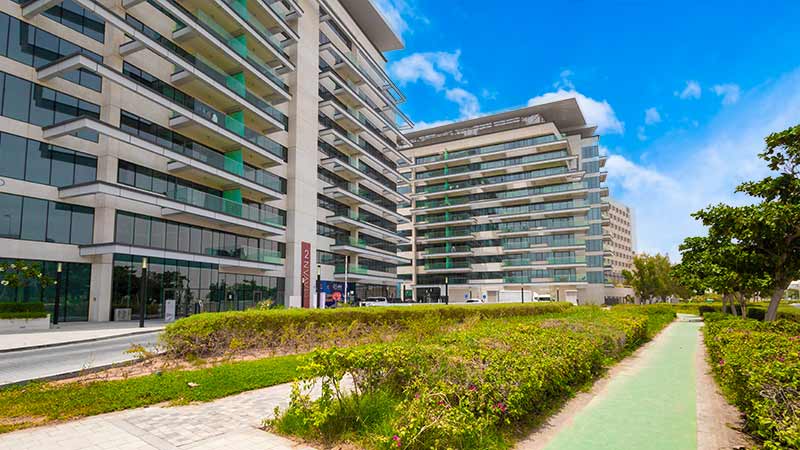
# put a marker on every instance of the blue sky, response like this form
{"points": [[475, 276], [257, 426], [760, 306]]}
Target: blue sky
{"points": [[683, 92]]}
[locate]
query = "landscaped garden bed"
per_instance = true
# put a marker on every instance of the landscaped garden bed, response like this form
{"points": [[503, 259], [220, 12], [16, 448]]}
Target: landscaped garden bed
{"points": [[475, 388], [16, 316], [758, 368]]}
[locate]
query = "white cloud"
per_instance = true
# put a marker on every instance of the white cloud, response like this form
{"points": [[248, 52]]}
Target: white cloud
{"points": [[392, 11], [729, 93], [640, 134], [688, 172], [651, 116], [564, 81], [468, 105], [692, 90], [431, 68], [596, 112]]}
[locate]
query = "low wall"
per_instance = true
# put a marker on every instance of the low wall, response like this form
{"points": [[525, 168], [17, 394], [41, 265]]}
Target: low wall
{"points": [[12, 325]]}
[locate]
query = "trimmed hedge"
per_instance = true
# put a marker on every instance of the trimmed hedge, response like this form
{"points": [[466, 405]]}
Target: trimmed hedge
{"points": [[758, 367], [463, 389], [22, 310], [211, 334]]}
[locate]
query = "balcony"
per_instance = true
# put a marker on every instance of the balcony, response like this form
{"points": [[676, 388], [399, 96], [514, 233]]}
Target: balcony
{"points": [[199, 206], [511, 229], [350, 170], [351, 119], [497, 167], [350, 144], [501, 198], [556, 279], [444, 220], [541, 143], [447, 267], [202, 122], [353, 196], [448, 251], [513, 181], [517, 263], [355, 98], [359, 247], [354, 272], [248, 254], [197, 163], [446, 235], [241, 261], [355, 222], [539, 210], [514, 246], [195, 31]]}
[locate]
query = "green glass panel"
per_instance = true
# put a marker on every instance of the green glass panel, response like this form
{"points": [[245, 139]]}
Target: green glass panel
{"points": [[235, 122], [236, 83], [234, 163]]}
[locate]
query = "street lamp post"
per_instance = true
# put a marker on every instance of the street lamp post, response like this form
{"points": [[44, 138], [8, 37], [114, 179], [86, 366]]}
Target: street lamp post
{"points": [[143, 301], [446, 291], [58, 294], [319, 282]]}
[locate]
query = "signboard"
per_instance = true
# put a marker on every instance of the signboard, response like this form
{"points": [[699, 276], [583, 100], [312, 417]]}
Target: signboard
{"points": [[334, 292], [169, 310], [305, 273]]}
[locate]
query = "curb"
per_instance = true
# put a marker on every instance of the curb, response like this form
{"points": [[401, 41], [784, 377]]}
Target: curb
{"points": [[80, 341], [71, 374]]}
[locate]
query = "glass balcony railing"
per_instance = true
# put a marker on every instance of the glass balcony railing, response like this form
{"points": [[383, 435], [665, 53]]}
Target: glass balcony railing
{"points": [[369, 197], [573, 278], [214, 72], [539, 207], [446, 156], [446, 249], [326, 68], [360, 68], [492, 164], [493, 180], [247, 254], [357, 116], [447, 265], [240, 8], [327, 122], [546, 224], [554, 260], [352, 268], [208, 24], [210, 202], [351, 241], [237, 127], [444, 218], [446, 234], [516, 245]]}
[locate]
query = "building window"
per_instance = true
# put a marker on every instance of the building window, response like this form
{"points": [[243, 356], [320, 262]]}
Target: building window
{"points": [[35, 219], [38, 105], [35, 47], [39, 162], [75, 279]]}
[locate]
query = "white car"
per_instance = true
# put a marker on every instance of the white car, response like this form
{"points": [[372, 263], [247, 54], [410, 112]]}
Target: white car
{"points": [[473, 301], [375, 301]]}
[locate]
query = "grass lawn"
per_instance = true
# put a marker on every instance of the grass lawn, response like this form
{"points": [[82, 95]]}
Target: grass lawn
{"points": [[40, 404]]}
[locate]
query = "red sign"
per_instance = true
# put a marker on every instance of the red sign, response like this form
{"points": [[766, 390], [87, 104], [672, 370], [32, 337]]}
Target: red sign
{"points": [[305, 273]]}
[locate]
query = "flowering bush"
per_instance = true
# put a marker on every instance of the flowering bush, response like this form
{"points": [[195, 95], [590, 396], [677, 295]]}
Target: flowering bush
{"points": [[758, 367], [20, 274], [464, 389]]}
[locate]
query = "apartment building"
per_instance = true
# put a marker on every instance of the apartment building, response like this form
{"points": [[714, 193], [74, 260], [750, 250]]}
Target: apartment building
{"points": [[234, 151], [508, 207], [621, 245]]}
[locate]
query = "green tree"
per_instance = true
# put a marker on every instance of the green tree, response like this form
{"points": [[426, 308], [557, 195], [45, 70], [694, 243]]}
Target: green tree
{"points": [[651, 277]]}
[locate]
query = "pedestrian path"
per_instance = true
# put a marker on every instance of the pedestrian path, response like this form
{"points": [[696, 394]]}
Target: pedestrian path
{"points": [[74, 332], [229, 423]]}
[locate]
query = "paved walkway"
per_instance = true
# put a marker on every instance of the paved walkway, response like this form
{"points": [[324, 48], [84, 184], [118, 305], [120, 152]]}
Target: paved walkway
{"points": [[652, 400], [230, 423], [71, 332]]}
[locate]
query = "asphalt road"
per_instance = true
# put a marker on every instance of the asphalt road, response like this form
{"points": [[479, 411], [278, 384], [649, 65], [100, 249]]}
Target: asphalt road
{"points": [[47, 362]]}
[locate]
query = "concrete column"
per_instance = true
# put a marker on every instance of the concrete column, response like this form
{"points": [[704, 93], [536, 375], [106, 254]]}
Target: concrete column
{"points": [[301, 199]]}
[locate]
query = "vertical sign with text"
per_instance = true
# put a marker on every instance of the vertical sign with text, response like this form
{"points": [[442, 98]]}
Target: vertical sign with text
{"points": [[305, 273]]}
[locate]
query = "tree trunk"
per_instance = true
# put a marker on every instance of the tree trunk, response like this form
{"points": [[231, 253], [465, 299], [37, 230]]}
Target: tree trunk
{"points": [[772, 311], [742, 304], [725, 304], [734, 311]]}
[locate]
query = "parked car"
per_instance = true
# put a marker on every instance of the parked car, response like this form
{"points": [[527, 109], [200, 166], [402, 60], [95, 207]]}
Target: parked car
{"points": [[474, 301], [374, 301]]}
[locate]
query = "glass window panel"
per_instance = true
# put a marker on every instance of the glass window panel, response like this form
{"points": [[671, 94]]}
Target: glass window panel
{"points": [[172, 236], [124, 231], [141, 231], [208, 241], [16, 98], [159, 182], [46, 49], [10, 215], [126, 173], [12, 155], [42, 106], [85, 168], [157, 233], [37, 167], [18, 48], [183, 238], [196, 240], [34, 219], [144, 178], [82, 225], [59, 220], [4, 32], [62, 167], [66, 107]]}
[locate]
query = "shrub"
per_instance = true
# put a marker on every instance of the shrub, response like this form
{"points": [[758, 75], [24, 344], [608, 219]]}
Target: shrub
{"points": [[758, 367], [463, 389], [22, 310], [213, 333]]}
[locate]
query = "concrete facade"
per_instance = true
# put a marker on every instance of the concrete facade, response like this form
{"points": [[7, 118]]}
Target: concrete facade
{"points": [[508, 207], [622, 242], [294, 134]]}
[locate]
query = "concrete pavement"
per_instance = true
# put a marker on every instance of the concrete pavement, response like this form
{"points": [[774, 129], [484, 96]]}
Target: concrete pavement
{"points": [[72, 332], [54, 361], [230, 423]]}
